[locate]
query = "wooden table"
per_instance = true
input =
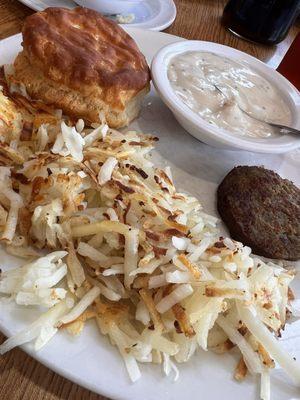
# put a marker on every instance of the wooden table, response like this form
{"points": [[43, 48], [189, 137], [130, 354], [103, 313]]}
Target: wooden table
{"points": [[21, 377]]}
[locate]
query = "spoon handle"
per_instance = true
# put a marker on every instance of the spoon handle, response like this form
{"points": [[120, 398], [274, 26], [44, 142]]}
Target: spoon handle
{"points": [[285, 130]]}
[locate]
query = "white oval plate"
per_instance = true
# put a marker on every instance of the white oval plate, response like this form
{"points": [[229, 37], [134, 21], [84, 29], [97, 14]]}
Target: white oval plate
{"points": [[214, 135], [89, 360], [155, 15]]}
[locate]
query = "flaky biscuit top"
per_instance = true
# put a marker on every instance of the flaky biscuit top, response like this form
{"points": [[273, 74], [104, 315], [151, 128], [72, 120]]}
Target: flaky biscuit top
{"points": [[79, 48]]}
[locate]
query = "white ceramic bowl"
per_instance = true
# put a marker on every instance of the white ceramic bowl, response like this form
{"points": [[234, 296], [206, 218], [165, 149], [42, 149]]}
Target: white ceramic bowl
{"points": [[109, 6], [204, 131]]}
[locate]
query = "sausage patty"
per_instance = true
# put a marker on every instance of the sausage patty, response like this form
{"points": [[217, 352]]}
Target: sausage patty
{"points": [[262, 210]]}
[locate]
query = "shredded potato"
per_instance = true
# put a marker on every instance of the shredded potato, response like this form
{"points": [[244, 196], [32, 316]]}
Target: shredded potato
{"points": [[241, 370], [143, 260]]}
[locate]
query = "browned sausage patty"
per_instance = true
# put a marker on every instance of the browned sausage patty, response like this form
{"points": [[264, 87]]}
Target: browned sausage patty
{"points": [[262, 210]]}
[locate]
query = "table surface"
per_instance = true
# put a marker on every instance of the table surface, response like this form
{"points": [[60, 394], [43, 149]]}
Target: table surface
{"points": [[21, 377]]}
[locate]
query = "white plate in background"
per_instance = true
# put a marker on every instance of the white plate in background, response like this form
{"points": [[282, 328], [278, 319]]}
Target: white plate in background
{"points": [[89, 360], [155, 15]]}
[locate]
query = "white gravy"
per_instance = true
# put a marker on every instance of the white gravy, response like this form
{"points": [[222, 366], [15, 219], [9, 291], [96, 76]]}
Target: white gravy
{"points": [[193, 76]]}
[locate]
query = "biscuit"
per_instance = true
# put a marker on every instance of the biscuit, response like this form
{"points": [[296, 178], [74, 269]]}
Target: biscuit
{"points": [[84, 64]]}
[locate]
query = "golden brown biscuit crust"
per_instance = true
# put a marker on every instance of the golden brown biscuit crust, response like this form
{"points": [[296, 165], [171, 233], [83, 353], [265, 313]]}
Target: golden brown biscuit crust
{"points": [[81, 48], [119, 108]]}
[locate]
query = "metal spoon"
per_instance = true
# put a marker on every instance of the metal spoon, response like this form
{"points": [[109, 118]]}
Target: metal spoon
{"points": [[283, 129]]}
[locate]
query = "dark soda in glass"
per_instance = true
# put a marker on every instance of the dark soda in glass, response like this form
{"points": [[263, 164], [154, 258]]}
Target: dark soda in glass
{"points": [[290, 65], [263, 21]]}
